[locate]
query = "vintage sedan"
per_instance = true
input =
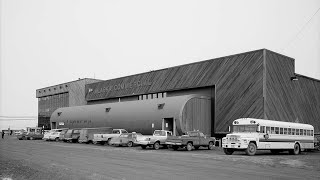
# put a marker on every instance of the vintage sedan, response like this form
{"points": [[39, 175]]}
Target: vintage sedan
{"points": [[126, 139]]}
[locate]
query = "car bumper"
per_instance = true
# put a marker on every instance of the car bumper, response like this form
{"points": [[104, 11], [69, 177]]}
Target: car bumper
{"points": [[235, 145]]}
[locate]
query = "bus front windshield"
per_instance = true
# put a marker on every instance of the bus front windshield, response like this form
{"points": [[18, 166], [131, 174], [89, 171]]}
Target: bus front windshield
{"points": [[245, 128]]}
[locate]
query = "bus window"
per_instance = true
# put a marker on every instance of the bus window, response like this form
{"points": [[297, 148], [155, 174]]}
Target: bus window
{"points": [[277, 130], [285, 130], [268, 129], [262, 129], [293, 132], [272, 130], [289, 131], [281, 130], [311, 132], [301, 132], [297, 132], [304, 132], [308, 132]]}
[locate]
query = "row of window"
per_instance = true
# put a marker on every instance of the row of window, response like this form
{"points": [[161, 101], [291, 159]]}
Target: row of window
{"points": [[152, 96], [286, 131], [55, 88], [56, 96]]}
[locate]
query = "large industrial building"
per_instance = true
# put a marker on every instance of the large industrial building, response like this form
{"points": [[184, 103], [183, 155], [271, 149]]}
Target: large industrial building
{"points": [[206, 95]]}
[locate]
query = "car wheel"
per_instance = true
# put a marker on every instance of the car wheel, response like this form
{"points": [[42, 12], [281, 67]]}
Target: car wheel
{"points": [[210, 146], [156, 145], [251, 149], [31, 138], [228, 151], [296, 149], [109, 140], [130, 144], [189, 146], [143, 146]]}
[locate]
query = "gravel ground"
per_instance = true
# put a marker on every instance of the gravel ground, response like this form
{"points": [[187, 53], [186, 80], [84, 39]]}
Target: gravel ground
{"points": [[57, 160]]}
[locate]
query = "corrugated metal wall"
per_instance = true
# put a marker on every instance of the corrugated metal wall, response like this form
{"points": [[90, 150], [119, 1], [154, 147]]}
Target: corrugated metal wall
{"points": [[287, 100]]}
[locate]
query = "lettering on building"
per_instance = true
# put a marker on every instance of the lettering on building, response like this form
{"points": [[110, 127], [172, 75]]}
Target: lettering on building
{"points": [[121, 86]]}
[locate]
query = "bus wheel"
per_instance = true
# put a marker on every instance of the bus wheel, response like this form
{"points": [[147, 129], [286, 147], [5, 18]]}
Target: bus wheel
{"points": [[295, 150], [251, 149], [228, 151]]}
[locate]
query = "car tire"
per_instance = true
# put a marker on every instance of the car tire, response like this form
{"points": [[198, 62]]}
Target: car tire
{"points": [[189, 146], [31, 138], [211, 145], [143, 146], [228, 151], [130, 144], [109, 140], [251, 149], [156, 146]]}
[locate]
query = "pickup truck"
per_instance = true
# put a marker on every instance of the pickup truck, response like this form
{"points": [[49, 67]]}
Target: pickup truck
{"points": [[105, 138], [192, 139], [158, 139]]}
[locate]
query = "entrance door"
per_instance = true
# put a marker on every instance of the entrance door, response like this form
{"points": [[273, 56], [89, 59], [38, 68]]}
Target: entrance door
{"points": [[54, 125], [168, 124]]}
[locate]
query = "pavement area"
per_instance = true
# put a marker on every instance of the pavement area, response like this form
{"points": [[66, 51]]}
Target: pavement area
{"points": [[38, 159]]}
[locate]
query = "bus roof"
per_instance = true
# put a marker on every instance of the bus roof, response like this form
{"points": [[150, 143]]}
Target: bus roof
{"points": [[273, 123]]}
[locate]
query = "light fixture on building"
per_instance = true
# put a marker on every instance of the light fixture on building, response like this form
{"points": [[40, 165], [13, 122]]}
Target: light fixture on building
{"points": [[294, 78], [108, 109], [59, 113]]}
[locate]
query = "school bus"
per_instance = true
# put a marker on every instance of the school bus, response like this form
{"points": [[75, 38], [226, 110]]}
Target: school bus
{"points": [[250, 135]]}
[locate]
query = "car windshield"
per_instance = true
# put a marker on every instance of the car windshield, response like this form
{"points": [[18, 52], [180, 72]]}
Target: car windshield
{"points": [[245, 128], [159, 133]]}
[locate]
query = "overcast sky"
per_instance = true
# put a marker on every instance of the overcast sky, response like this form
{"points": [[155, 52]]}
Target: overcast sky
{"points": [[45, 43]]}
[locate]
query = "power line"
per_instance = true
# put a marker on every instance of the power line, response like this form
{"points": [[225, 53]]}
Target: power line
{"points": [[303, 27]]}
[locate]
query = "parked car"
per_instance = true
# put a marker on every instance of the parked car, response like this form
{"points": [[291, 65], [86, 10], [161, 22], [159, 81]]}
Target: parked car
{"points": [[72, 135], [105, 138], [192, 139], [86, 134], [127, 139], [54, 135], [158, 139], [62, 133], [32, 133], [46, 135]]}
